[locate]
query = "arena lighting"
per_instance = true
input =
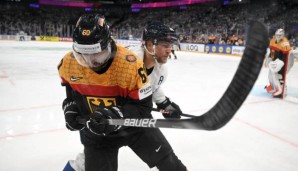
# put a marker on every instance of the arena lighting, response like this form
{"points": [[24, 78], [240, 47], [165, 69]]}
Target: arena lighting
{"points": [[169, 4], [88, 9], [34, 5], [135, 10], [182, 7], [295, 28], [66, 3], [226, 2]]}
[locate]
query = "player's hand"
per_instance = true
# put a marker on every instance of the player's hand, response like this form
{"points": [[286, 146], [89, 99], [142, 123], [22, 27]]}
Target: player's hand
{"points": [[71, 112], [96, 124], [172, 110]]}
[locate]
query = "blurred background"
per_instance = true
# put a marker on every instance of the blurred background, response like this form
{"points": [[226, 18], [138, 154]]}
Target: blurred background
{"points": [[196, 21]]}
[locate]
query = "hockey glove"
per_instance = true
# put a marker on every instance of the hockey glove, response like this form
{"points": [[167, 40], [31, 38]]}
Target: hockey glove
{"points": [[172, 110], [96, 124], [71, 112]]}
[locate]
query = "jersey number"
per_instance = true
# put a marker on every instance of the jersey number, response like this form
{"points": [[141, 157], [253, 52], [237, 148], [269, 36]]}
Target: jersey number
{"points": [[160, 80], [143, 75]]}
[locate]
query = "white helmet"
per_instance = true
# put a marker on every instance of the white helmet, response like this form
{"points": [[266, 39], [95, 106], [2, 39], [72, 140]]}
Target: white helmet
{"points": [[279, 34]]}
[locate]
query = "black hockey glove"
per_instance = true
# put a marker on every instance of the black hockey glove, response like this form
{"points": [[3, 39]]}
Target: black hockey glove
{"points": [[172, 110], [96, 124], [71, 112]]}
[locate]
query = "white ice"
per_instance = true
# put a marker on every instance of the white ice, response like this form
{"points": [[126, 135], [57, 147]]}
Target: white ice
{"points": [[263, 135]]}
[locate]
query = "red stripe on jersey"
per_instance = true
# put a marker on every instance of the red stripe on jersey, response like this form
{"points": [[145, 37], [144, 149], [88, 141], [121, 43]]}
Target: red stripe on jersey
{"points": [[103, 91], [279, 50]]}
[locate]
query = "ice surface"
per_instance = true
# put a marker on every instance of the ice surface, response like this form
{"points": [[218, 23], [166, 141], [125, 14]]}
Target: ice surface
{"points": [[263, 136]]}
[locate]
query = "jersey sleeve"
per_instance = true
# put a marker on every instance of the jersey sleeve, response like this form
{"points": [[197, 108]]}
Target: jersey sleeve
{"points": [[62, 67], [139, 105], [142, 84], [285, 47], [158, 95], [158, 77]]}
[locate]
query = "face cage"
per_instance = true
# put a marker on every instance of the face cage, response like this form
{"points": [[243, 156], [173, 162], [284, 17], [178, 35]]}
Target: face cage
{"points": [[93, 60]]}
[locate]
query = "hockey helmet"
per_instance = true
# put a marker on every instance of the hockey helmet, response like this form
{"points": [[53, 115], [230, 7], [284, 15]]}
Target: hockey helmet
{"points": [[91, 29], [91, 41], [279, 34], [157, 31]]}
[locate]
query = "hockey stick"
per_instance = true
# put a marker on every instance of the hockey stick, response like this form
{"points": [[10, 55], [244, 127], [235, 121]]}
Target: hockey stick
{"points": [[224, 110], [83, 121], [167, 112]]}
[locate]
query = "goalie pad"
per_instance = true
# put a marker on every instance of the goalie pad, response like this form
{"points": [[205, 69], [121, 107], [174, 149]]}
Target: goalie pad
{"points": [[276, 65], [277, 84], [271, 87], [275, 79], [267, 59]]}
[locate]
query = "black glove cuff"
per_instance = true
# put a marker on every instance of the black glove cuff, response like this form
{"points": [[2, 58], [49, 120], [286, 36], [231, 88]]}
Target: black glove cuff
{"points": [[164, 104], [66, 103]]}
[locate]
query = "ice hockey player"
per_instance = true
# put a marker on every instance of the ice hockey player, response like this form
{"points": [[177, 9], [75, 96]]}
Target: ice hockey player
{"points": [[93, 74], [158, 40], [21, 35], [278, 64], [174, 48]]}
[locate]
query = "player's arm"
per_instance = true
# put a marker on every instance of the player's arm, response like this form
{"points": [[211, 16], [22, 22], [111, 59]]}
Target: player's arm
{"points": [[69, 106], [139, 103], [138, 108], [160, 99], [164, 103], [71, 110]]}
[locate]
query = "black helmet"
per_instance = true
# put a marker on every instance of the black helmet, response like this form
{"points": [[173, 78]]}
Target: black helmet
{"points": [[92, 29], [157, 31]]}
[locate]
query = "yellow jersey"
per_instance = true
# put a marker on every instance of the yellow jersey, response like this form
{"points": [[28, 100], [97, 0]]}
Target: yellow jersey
{"points": [[124, 80]]}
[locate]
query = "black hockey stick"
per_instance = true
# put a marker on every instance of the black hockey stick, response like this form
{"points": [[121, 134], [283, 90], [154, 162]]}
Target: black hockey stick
{"points": [[167, 112], [222, 112]]}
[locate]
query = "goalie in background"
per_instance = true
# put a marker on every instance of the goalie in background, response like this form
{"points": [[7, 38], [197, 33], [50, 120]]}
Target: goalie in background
{"points": [[21, 36], [278, 62]]}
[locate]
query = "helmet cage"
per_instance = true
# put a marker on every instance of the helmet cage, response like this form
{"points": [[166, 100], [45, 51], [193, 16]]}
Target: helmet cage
{"points": [[279, 34]]}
